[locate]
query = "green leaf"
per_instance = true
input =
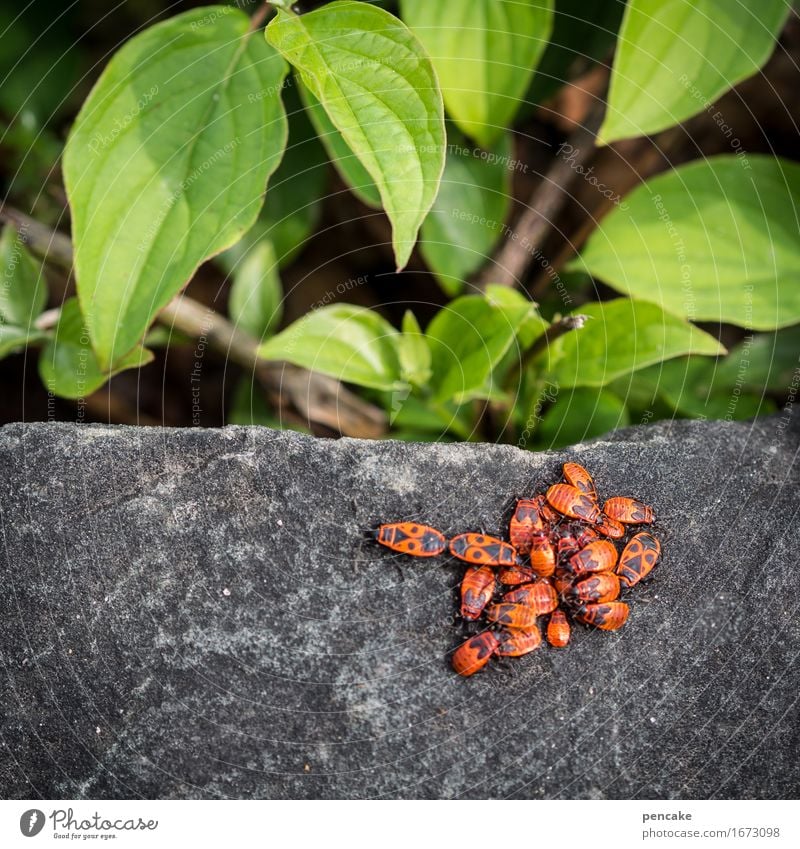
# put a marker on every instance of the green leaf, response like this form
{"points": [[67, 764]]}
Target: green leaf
{"points": [[166, 165], [293, 203], [67, 364], [485, 53], [584, 31], [621, 336], [468, 338], [23, 290], [350, 169], [13, 339], [415, 355], [532, 325], [256, 297], [715, 240], [674, 59], [467, 218], [379, 89], [579, 414], [350, 343]]}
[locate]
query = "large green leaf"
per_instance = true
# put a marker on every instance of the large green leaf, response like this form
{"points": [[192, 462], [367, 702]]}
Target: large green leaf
{"points": [[468, 338], [166, 165], [350, 343], [716, 240], [23, 290], [415, 355], [578, 414], [621, 336], [467, 218], [293, 203], [256, 297], [379, 89], [350, 169], [67, 364], [675, 57], [13, 338], [485, 53]]}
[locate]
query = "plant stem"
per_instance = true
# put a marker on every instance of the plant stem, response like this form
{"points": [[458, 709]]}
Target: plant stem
{"points": [[510, 264]]}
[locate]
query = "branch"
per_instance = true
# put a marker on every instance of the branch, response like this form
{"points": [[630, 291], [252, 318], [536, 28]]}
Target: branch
{"points": [[556, 329], [317, 397], [548, 199]]}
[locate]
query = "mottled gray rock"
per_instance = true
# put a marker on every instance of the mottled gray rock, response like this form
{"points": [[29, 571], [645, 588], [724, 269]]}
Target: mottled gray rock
{"points": [[198, 613]]}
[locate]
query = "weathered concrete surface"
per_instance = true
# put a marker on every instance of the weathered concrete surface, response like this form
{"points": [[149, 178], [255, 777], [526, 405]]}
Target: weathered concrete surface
{"points": [[197, 614]]}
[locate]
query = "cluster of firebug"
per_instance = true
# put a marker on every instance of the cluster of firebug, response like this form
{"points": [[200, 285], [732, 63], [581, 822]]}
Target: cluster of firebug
{"points": [[560, 561]]}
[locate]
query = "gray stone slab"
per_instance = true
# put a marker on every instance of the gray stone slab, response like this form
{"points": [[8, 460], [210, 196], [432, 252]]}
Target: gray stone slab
{"points": [[198, 613]]}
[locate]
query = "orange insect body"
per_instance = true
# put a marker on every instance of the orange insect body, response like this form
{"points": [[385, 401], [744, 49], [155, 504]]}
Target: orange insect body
{"points": [[527, 520], [596, 588], [412, 538], [638, 558], [518, 643], [600, 556], [629, 511], [608, 617], [512, 615], [513, 575], [610, 527], [477, 589], [543, 556], [577, 476], [570, 501], [558, 630], [475, 653], [541, 597], [562, 583], [483, 550]]}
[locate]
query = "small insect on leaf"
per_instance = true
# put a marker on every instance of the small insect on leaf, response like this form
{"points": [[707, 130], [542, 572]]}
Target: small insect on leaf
{"points": [[412, 538]]}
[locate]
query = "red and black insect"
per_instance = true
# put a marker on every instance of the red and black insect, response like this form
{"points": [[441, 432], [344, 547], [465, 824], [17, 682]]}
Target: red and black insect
{"points": [[594, 589], [541, 597], [518, 643], [483, 550], [610, 528], [475, 653], [512, 575], [512, 615], [543, 556], [600, 556], [638, 558], [577, 476], [629, 511], [570, 501], [528, 519], [608, 617], [558, 630], [477, 589], [411, 538]]}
